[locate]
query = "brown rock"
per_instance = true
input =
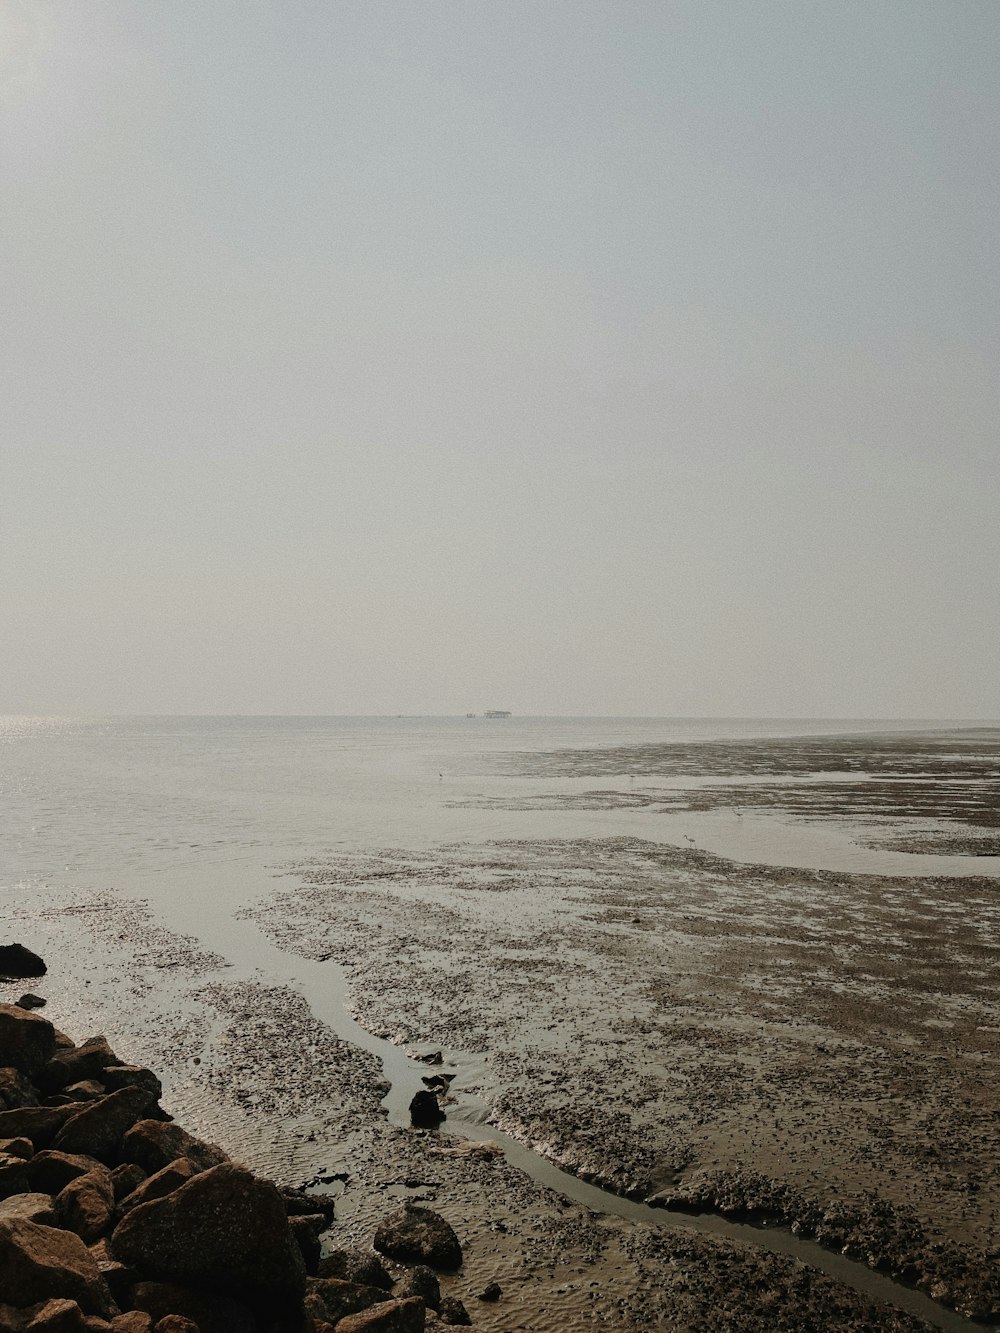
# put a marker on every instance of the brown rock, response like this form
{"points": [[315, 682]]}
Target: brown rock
{"points": [[126, 1178], [98, 1128], [50, 1171], [16, 1089], [175, 1323], [306, 1232], [135, 1321], [87, 1205], [212, 1313], [86, 1061], [40, 1124], [30, 1001], [40, 1208], [333, 1299], [389, 1317], [356, 1266], [154, 1144], [13, 1175], [161, 1183], [454, 1312], [40, 1263], [27, 1040], [17, 1148], [87, 1090], [224, 1228], [420, 1281], [418, 1235], [132, 1076], [57, 1316]]}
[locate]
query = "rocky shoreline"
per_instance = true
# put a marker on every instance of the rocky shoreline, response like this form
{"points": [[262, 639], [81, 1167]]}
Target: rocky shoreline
{"points": [[113, 1217]]}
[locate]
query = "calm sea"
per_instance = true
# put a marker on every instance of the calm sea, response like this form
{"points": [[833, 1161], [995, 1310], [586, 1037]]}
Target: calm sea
{"points": [[153, 804]]}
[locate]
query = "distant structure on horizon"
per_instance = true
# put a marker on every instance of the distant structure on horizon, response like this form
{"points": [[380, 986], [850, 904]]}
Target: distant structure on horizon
{"points": [[496, 712]]}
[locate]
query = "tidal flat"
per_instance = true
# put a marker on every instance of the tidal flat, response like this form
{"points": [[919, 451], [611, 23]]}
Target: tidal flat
{"points": [[796, 1068]]}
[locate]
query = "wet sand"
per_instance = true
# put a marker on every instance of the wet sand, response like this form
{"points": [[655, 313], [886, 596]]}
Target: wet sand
{"points": [[814, 1048]]}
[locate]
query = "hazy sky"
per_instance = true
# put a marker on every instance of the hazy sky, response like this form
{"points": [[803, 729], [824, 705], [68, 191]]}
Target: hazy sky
{"points": [[551, 355]]}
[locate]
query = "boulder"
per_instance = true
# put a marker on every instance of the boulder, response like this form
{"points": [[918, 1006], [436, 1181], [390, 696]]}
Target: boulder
{"points": [[418, 1235], [425, 1110], [161, 1183], [27, 1040], [50, 1171], [356, 1266], [98, 1129], [126, 1178], [491, 1292], [57, 1316], [16, 962], [16, 1089], [87, 1205], [300, 1203], [131, 1076], [420, 1281], [212, 1313], [41, 1263], [88, 1060], [30, 1001], [330, 1298], [175, 1323], [224, 1229], [389, 1317], [40, 1208], [454, 1312], [40, 1124], [17, 1148], [154, 1144], [135, 1321], [306, 1232], [13, 1175]]}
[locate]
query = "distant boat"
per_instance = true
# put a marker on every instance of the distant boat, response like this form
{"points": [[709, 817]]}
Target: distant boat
{"points": [[496, 712], [470, 715]]}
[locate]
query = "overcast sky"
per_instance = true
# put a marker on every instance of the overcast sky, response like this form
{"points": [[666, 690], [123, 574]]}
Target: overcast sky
{"points": [[550, 355]]}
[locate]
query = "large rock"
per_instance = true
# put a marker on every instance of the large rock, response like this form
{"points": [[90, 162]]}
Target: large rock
{"points": [[40, 1124], [16, 962], [420, 1281], [224, 1230], [212, 1314], [390, 1317], [331, 1299], [425, 1110], [50, 1171], [356, 1266], [59, 1316], [88, 1060], [40, 1208], [131, 1076], [98, 1129], [41, 1263], [13, 1175], [418, 1235], [16, 1089], [154, 1144], [27, 1040], [159, 1184], [87, 1205]]}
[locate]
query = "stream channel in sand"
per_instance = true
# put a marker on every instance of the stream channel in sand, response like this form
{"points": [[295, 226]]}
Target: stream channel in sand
{"points": [[324, 987]]}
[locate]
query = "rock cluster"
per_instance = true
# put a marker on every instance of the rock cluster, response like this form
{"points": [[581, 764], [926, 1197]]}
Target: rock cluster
{"points": [[113, 1219]]}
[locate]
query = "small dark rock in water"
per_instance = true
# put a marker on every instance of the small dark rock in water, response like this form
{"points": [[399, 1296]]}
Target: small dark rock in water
{"points": [[425, 1110], [418, 1235], [454, 1312], [493, 1292], [16, 961], [29, 1001], [431, 1058]]}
